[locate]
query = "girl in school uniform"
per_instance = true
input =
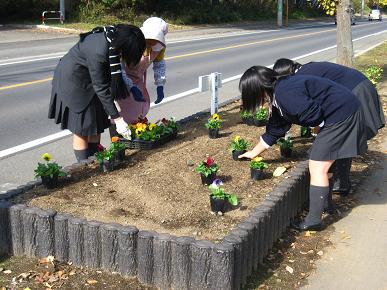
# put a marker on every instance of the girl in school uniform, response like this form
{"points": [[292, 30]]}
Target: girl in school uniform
{"points": [[311, 102], [88, 79], [360, 86], [137, 104]]}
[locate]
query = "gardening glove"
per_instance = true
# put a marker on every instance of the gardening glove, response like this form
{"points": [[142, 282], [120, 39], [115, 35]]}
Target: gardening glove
{"points": [[122, 128], [137, 94], [160, 94]]}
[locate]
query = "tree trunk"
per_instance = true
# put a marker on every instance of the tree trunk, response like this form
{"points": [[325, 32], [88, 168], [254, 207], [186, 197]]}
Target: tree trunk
{"points": [[344, 34]]}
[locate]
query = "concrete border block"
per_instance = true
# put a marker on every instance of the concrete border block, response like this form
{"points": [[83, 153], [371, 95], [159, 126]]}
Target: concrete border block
{"points": [[92, 244], [181, 262], [61, 236], [145, 256], [76, 240], [127, 250], [201, 264], [45, 236], [162, 261], [5, 229]]}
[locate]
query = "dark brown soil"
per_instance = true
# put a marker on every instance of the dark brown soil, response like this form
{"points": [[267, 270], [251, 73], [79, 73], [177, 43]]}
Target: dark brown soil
{"points": [[160, 190]]}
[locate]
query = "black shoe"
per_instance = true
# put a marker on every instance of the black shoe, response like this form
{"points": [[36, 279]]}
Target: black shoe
{"points": [[302, 226], [341, 191]]}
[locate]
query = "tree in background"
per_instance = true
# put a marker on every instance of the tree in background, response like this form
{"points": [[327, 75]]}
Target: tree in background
{"points": [[343, 10]]}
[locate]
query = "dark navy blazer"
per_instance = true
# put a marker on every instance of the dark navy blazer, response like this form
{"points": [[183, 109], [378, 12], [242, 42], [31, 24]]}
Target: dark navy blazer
{"points": [[346, 76], [84, 72], [307, 101]]}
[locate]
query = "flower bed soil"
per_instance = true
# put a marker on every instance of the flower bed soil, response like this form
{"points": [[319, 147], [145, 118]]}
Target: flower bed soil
{"points": [[159, 190]]}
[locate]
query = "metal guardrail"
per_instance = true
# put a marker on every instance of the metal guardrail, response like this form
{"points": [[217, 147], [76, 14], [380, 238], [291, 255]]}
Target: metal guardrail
{"points": [[59, 13]]}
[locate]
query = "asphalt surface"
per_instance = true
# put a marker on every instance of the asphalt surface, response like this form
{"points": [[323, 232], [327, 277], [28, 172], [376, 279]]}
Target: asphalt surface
{"points": [[229, 50], [24, 109]]}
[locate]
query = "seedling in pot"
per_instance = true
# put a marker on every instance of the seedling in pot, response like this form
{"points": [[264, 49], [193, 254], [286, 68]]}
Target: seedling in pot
{"points": [[286, 147], [49, 171], [261, 116], [213, 126], [105, 159], [247, 117], [118, 149], [257, 168], [207, 170], [220, 201], [238, 147]]}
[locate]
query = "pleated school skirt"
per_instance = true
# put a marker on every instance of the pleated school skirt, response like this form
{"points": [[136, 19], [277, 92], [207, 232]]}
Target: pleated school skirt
{"points": [[341, 140], [371, 107], [91, 121]]}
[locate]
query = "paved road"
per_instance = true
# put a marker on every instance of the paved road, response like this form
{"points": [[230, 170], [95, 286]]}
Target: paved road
{"points": [[24, 108]]}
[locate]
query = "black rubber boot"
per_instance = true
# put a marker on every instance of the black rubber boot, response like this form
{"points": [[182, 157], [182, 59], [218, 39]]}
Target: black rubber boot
{"points": [[317, 197], [341, 181], [81, 154], [92, 148]]}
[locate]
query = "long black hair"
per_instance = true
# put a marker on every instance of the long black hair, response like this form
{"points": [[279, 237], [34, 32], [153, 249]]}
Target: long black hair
{"points": [[257, 86], [285, 66], [126, 42]]}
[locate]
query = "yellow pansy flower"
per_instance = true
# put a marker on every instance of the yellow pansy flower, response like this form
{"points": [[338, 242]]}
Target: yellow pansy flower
{"points": [[46, 157], [152, 126], [215, 117], [258, 158], [237, 138]]}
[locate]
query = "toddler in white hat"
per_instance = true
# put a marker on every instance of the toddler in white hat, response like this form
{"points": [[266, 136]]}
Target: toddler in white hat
{"points": [[137, 104]]}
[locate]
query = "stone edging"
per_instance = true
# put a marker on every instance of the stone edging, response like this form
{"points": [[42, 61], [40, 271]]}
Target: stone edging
{"points": [[162, 260]]}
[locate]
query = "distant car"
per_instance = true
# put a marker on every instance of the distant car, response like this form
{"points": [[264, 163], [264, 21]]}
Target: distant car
{"points": [[375, 15], [353, 18]]}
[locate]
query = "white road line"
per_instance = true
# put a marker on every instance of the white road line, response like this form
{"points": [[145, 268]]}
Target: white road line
{"points": [[53, 137], [56, 55]]}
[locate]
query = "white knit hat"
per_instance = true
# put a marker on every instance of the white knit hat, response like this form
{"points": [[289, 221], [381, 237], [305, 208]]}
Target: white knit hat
{"points": [[155, 28]]}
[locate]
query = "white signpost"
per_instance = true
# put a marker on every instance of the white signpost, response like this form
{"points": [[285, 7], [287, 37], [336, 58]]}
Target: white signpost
{"points": [[213, 81]]}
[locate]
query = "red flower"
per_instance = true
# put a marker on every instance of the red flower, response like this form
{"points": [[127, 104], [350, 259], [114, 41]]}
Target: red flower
{"points": [[210, 161], [100, 148], [143, 120]]}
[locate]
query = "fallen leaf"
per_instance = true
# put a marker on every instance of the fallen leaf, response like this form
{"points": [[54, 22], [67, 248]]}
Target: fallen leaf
{"points": [[49, 259], [303, 253], [309, 233], [320, 253], [346, 237], [279, 171], [7, 272], [289, 269], [291, 261], [72, 272], [92, 282], [310, 252]]}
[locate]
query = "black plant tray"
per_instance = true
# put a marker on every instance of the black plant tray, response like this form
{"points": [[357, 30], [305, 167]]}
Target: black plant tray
{"points": [[148, 145]]}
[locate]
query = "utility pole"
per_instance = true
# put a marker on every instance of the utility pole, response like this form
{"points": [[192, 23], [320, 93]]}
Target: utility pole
{"points": [[279, 14], [362, 9], [62, 8], [287, 13]]}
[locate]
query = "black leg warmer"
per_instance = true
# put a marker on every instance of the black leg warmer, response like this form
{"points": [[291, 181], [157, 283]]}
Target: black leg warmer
{"points": [[317, 196]]}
